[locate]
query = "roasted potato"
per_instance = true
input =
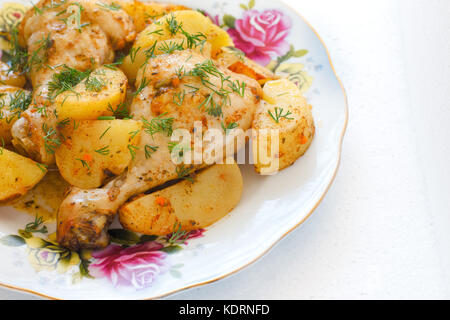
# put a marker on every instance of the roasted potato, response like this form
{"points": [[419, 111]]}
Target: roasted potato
{"points": [[10, 78], [285, 114], [19, 175], [144, 12], [13, 101], [97, 95], [94, 150], [236, 61], [188, 205], [192, 22]]}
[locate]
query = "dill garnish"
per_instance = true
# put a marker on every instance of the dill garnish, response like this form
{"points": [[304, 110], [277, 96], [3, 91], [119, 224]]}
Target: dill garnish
{"points": [[279, 114], [121, 111], [113, 6], [66, 80], [51, 139], [103, 151], [149, 150], [18, 55], [132, 149], [94, 84], [158, 124], [36, 226]]}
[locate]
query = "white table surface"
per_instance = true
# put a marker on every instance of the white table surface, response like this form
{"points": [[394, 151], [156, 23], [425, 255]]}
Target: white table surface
{"points": [[383, 230]]}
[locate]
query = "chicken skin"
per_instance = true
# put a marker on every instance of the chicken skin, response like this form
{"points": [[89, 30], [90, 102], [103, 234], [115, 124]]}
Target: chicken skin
{"points": [[175, 91]]}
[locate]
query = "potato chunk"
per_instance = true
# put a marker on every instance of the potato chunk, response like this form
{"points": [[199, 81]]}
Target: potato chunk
{"points": [[19, 175], [13, 101], [187, 205], [171, 26], [286, 116], [94, 150], [104, 89], [10, 78], [144, 12]]}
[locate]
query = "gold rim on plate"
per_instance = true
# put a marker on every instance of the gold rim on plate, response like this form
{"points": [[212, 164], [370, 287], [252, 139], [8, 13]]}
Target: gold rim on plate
{"points": [[286, 233]]}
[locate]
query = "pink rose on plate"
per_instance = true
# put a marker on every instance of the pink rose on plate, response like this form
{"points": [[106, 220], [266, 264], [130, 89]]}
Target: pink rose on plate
{"points": [[261, 35], [137, 265]]}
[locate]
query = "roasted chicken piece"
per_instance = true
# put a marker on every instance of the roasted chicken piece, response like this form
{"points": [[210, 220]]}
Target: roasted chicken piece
{"points": [[63, 34], [175, 91]]}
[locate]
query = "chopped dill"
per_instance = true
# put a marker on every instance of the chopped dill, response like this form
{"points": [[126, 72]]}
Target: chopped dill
{"points": [[158, 124], [65, 80], [113, 6], [279, 114], [149, 150]]}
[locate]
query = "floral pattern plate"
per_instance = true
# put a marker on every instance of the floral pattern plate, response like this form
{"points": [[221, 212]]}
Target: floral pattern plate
{"points": [[143, 267]]}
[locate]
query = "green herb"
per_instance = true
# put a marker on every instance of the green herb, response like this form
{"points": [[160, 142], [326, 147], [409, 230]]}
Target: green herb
{"points": [[169, 47], [113, 6], [211, 107], [40, 56], [238, 87], [106, 118], [178, 98], [279, 114], [84, 163], [104, 133], [159, 32], [133, 53], [42, 166], [195, 40], [230, 126], [133, 134], [94, 84], [75, 17], [184, 173], [36, 226], [158, 124], [113, 65], [103, 151], [64, 122], [51, 139], [172, 145], [19, 102], [121, 111], [144, 83], [173, 25], [132, 149], [66, 80], [18, 55], [194, 89], [178, 235], [149, 150]]}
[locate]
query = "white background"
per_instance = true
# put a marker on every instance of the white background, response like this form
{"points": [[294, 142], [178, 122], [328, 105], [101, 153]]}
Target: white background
{"points": [[383, 230]]}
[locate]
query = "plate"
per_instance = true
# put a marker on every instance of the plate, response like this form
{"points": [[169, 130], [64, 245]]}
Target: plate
{"points": [[271, 206]]}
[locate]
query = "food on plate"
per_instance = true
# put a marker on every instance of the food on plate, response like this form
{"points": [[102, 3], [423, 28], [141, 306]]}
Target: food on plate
{"points": [[19, 175], [60, 42], [13, 101], [285, 110], [189, 205], [100, 93], [136, 106], [185, 29], [10, 78], [166, 103], [144, 13], [95, 150]]}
